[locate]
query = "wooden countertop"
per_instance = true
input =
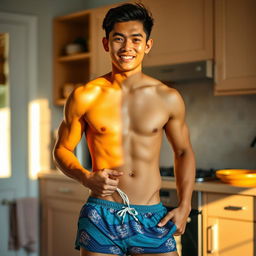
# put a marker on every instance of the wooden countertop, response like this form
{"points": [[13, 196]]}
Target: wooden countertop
{"points": [[215, 186]]}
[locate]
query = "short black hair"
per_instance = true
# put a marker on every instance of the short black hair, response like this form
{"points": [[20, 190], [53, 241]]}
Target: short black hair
{"points": [[128, 12]]}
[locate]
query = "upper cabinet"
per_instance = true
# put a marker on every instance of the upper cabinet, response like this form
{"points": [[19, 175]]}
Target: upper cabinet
{"points": [[101, 62], [183, 31], [235, 47], [71, 54]]}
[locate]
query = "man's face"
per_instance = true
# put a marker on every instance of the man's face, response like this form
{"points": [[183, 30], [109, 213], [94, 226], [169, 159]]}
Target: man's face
{"points": [[127, 45]]}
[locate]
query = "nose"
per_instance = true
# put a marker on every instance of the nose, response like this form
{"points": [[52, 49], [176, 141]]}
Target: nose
{"points": [[127, 45]]}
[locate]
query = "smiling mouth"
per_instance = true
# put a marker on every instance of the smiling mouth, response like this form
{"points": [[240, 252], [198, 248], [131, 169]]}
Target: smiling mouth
{"points": [[126, 58]]}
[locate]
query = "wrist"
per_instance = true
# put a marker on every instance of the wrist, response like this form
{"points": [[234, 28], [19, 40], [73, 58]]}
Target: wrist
{"points": [[85, 178], [185, 205]]}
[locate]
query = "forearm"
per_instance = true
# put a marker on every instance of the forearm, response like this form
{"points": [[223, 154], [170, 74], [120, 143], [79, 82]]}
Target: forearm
{"points": [[185, 176], [68, 163]]}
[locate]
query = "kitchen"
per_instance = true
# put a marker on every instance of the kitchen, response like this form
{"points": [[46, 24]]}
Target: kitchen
{"points": [[222, 127]]}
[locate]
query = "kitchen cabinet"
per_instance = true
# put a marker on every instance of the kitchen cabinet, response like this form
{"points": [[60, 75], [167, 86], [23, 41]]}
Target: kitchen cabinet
{"points": [[101, 62], [228, 225], [183, 31], [235, 52], [61, 201], [70, 70]]}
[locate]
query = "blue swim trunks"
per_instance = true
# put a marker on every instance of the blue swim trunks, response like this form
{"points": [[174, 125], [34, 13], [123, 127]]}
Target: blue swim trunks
{"points": [[113, 228]]}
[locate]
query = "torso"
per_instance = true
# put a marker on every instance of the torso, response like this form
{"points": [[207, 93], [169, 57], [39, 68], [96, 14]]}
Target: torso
{"points": [[124, 132]]}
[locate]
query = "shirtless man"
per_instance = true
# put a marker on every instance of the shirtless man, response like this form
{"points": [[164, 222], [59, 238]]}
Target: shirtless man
{"points": [[123, 115]]}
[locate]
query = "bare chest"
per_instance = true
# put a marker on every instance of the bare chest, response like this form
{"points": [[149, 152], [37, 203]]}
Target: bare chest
{"points": [[115, 112]]}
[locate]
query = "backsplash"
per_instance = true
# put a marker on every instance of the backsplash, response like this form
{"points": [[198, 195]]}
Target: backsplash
{"points": [[221, 127]]}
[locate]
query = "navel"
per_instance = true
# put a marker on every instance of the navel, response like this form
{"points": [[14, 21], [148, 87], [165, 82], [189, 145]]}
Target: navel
{"points": [[132, 173], [155, 130]]}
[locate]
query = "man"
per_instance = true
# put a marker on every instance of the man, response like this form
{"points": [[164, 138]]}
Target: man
{"points": [[123, 115]]}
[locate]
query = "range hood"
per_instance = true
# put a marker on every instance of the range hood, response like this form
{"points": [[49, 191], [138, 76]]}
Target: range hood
{"points": [[181, 72]]}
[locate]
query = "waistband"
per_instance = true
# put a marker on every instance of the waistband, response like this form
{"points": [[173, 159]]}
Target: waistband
{"points": [[118, 206]]}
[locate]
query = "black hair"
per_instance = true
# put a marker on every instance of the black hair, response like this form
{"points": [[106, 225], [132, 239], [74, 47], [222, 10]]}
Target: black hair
{"points": [[128, 12]]}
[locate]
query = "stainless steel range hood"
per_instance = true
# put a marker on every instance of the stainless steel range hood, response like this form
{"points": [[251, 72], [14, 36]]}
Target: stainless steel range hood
{"points": [[181, 72]]}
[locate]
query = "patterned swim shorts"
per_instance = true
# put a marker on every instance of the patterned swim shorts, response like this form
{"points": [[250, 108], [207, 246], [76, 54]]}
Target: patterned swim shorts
{"points": [[102, 229]]}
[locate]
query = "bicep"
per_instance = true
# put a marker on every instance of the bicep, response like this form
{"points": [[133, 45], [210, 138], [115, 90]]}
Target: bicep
{"points": [[72, 127], [70, 133], [176, 128], [178, 135]]}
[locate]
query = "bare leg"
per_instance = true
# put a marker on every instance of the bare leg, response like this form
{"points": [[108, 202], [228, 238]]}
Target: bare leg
{"points": [[159, 254], [84, 252]]}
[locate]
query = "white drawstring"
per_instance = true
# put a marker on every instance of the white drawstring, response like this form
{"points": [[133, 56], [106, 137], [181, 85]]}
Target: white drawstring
{"points": [[127, 209]]}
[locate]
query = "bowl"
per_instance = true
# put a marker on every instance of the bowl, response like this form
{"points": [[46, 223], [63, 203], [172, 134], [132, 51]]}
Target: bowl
{"points": [[238, 177], [73, 49]]}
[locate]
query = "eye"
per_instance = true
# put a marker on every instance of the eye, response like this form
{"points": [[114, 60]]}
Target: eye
{"points": [[118, 39], [136, 40]]}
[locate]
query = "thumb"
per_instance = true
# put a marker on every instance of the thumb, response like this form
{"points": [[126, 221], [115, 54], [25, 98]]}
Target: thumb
{"points": [[165, 219]]}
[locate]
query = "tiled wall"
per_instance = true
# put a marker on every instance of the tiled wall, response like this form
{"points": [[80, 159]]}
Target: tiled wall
{"points": [[221, 127]]}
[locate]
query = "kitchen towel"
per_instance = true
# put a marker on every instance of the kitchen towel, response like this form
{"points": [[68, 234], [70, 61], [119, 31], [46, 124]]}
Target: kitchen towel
{"points": [[24, 224]]}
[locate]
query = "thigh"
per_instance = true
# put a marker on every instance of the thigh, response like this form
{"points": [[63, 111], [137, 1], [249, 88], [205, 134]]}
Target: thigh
{"points": [[84, 252], [158, 254]]}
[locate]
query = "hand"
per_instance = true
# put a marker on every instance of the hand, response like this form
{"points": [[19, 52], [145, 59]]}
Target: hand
{"points": [[103, 182], [179, 217]]}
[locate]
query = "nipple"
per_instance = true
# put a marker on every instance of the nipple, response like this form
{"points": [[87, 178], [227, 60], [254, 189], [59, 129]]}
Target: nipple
{"points": [[103, 129]]}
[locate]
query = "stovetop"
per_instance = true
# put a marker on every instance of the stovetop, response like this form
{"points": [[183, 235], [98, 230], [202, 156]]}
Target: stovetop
{"points": [[201, 174]]}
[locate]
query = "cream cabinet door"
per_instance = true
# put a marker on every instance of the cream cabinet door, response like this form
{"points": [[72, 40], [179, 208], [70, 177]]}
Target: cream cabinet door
{"points": [[227, 237], [100, 59], [60, 227], [235, 51], [182, 32]]}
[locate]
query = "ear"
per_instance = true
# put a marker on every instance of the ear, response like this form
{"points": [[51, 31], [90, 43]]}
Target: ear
{"points": [[105, 44], [149, 45]]}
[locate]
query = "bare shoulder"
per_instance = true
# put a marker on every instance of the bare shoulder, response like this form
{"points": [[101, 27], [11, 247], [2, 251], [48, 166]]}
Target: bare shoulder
{"points": [[172, 99], [167, 93], [84, 96]]}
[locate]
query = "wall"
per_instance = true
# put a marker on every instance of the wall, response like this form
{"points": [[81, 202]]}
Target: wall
{"points": [[221, 127]]}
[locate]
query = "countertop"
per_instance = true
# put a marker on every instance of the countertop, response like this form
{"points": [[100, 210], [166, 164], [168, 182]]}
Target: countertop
{"points": [[215, 186]]}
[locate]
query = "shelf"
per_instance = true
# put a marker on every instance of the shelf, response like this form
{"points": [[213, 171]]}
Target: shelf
{"points": [[60, 102], [74, 57]]}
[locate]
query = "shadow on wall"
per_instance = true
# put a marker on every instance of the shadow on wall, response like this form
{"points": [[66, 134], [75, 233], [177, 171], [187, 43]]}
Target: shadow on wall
{"points": [[221, 127]]}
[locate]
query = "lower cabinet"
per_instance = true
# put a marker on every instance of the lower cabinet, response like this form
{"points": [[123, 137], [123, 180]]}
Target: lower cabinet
{"points": [[229, 225], [61, 202]]}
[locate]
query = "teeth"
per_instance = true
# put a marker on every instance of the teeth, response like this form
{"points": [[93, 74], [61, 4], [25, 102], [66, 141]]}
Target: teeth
{"points": [[127, 57]]}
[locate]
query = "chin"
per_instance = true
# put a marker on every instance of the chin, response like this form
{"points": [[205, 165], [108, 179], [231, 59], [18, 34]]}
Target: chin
{"points": [[122, 68]]}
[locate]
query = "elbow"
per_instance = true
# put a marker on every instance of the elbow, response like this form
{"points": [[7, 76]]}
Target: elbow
{"points": [[56, 155], [181, 153]]}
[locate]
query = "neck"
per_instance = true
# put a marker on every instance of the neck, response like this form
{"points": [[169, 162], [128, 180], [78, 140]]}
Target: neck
{"points": [[126, 79]]}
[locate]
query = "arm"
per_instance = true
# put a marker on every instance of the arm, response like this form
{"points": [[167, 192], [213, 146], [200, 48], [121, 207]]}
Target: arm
{"points": [[184, 162], [70, 132], [69, 135]]}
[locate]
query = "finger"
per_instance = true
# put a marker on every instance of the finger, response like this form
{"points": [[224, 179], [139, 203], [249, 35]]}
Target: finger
{"points": [[112, 182], [179, 231], [163, 221], [114, 173], [109, 188]]}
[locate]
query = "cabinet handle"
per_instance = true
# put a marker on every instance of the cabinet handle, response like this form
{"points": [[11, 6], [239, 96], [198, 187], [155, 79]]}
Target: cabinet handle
{"points": [[212, 238], [234, 208], [64, 190]]}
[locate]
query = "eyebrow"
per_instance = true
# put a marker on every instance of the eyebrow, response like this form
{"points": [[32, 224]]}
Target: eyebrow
{"points": [[133, 35]]}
